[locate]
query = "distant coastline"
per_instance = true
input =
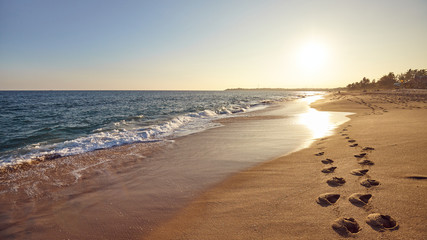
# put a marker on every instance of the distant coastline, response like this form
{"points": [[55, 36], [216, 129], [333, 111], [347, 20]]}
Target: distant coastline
{"points": [[285, 89]]}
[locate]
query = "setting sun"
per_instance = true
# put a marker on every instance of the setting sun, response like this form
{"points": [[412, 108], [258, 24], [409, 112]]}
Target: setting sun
{"points": [[312, 56]]}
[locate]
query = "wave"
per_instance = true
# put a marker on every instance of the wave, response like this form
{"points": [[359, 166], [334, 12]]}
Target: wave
{"points": [[135, 130]]}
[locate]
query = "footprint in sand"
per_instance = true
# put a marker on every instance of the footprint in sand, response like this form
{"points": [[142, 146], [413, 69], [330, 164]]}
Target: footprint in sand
{"points": [[328, 169], [366, 162], [368, 149], [369, 183], [327, 199], [344, 134], [381, 222], [359, 199], [347, 138], [354, 145], [319, 154], [327, 161], [346, 226], [360, 155], [351, 141], [336, 181], [359, 172]]}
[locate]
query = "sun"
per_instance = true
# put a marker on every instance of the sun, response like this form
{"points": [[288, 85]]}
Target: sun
{"points": [[312, 56]]}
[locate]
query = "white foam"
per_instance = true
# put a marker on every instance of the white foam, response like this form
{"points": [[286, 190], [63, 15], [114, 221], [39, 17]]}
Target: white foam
{"points": [[130, 131]]}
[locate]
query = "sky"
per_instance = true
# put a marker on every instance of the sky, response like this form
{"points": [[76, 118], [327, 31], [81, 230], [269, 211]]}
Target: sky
{"points": [[206, 45]]}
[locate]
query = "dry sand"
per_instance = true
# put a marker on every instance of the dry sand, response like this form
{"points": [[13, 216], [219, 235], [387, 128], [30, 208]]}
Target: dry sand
{"points": [[279, 199]]}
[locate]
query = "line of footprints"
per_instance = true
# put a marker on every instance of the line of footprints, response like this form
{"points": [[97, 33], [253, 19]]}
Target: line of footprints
{"points": [[348, 226]]}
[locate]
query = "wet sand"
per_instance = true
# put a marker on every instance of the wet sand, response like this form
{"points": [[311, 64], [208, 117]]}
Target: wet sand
{"points": [[126, 192], [292, 198]]}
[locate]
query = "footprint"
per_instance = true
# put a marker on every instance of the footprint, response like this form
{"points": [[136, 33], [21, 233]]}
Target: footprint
{"points": [[381, 222], [328, 169], [369, 183], [360, 155], [327, 199], [360, 199], [319, 154], [359, 172], [368, 148], [346, 226], [327, 161], [344, 134], [351, 141], [335, 181], [354, 145], [366, 162], [347, 138]]}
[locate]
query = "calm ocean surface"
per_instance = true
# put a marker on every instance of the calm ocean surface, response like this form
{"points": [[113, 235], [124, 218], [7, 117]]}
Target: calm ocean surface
{"points": [[36, 123]]}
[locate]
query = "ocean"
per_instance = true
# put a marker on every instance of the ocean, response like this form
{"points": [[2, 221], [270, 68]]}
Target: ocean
{"points": [[40, 123]]}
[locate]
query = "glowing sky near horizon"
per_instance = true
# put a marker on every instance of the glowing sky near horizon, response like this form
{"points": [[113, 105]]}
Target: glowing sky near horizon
{"points": [[206, 45]]}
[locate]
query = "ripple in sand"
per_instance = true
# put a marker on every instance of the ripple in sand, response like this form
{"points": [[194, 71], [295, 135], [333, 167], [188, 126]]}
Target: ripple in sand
{"points": [[327, 199], [381, 222], [417, 177], [360, 199], [346, 226]]}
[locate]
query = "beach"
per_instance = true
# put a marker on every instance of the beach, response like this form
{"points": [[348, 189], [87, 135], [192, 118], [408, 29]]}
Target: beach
{"points": [[279, 199], [244, 188], [124, 192]]}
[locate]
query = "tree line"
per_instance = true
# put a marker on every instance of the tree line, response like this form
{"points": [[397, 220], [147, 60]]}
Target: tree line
{"points": [[413, 78]]}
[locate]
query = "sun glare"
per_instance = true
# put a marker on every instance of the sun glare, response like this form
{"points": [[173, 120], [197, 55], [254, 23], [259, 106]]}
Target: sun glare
{"points": [[312, 56]]}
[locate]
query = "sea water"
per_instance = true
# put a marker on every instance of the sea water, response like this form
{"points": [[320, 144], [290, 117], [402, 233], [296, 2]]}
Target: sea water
{"points": [[38, 123]]}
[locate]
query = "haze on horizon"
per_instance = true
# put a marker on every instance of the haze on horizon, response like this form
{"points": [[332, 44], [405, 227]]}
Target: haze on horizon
{"points": [[206, 45]]}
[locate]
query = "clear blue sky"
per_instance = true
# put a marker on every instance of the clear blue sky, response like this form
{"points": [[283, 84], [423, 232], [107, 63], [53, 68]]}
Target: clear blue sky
{"points": [[94, 44]]}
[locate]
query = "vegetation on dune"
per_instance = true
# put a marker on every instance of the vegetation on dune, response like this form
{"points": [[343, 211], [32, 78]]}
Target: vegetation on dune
{"points": [[414, 79]]}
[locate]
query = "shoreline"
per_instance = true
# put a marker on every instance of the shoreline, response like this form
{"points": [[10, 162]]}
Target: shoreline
{"points": [[277, 199], [170, 129], [124, 192]]}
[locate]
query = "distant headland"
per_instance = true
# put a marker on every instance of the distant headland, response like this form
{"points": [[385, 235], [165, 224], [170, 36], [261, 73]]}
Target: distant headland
{"points": [[285, 89]]}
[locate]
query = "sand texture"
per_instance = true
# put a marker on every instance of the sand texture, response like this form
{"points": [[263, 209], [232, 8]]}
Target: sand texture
{"points": [[290, 198]]}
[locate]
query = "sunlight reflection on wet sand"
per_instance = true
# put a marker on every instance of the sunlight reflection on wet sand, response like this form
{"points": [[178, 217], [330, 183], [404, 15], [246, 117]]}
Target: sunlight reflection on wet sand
{"points": [[320, 123]]}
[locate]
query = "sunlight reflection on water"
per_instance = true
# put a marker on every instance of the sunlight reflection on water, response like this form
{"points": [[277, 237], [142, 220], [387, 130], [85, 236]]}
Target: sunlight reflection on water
{"points": [[321, 123]]}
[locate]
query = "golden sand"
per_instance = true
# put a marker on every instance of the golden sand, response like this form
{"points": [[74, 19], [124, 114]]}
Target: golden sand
{"points": [[368, 180], [280, 199]]}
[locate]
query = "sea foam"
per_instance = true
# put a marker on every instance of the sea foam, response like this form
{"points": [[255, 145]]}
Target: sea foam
{"points": [[141, 128]]}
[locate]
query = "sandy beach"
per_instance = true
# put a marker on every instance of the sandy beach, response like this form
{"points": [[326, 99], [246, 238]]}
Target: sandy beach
{"points": [[287, 198], [165, 191], [213, 120]]}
